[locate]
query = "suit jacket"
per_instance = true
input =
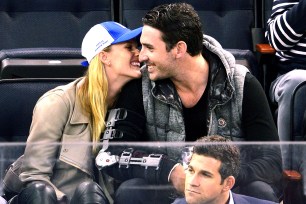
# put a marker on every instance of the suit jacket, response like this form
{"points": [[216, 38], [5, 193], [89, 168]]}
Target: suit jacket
{"points": [[238, 199]]}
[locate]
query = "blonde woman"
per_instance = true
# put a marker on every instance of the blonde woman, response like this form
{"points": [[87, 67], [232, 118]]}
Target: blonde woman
{"points": [[73, 115]]}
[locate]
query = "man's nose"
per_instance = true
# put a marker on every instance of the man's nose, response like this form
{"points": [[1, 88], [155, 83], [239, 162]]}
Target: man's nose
{"points": [[193, 180], [142, 56]]}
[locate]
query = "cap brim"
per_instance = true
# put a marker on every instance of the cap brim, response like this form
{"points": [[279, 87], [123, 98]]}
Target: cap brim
{"points": [[128, 36], [85, 63]]}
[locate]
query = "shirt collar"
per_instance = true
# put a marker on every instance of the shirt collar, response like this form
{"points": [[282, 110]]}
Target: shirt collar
{"points": [[231, 200]]}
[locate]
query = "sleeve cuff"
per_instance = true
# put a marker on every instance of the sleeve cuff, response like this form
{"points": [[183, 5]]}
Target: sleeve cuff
{"points": [[172, 170]]}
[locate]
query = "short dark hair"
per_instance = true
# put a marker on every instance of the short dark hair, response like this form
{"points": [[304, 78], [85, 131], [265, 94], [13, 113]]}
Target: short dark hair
{"points": [[177, 22], [223, 150]]}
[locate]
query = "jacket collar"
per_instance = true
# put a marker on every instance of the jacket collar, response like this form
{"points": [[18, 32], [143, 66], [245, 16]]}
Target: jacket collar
{"points": [[221, 88], [165, 91], [78, 114]]}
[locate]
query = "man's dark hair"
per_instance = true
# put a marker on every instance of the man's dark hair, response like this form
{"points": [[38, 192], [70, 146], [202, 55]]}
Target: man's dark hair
{"points": [[222, 149], [177, 22]]}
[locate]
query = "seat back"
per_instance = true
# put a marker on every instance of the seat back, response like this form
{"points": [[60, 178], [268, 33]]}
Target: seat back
{"points": [[52, 23], [229, 21], [41, 63], [41, 38], [294, 192], [266, 11], [17, 100]]}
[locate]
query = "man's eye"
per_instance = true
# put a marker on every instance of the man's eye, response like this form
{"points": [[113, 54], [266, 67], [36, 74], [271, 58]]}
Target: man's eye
{"points": [[150, 48], [189, 170], [207, 175]]}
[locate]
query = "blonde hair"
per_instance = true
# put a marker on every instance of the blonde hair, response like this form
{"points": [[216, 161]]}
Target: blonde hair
{"points": [[92, 95]]}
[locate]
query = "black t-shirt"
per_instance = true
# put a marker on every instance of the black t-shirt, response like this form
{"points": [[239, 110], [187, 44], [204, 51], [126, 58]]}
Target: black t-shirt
{"points": [[195, 118]]}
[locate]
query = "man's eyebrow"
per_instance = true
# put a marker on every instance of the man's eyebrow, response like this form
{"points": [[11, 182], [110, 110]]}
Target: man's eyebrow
{"points": [[147, 45], [190, 166], [204, 172]]}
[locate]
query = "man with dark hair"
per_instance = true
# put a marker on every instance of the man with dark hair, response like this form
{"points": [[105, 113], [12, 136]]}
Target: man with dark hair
{"points": [[211, 174], [192, 87]]}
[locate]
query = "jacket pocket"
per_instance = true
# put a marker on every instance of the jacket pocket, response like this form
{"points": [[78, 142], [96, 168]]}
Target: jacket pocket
{"points": [[76, 150]]}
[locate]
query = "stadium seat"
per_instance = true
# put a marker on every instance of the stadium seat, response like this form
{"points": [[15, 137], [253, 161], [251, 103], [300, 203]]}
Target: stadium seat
{"points": [[219, 18], [46, 28], [294, 191], [17, 100], [53, 23]]}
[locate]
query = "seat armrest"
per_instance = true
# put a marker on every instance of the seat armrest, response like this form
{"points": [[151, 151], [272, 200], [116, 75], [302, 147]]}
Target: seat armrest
{"points": [[268, 72], [293, 187], [265, 49], [292, 175]]}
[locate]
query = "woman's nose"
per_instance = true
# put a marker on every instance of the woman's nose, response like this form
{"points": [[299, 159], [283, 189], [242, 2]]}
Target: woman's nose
{"points": [[137, 52]]}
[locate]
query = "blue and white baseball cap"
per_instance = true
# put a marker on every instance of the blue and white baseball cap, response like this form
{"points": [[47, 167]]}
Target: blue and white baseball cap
{"points": [[103, 35]]}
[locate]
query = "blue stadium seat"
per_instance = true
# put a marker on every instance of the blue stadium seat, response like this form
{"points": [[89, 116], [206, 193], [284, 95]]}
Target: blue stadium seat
{"points": [[52, 23], [17, 100], [36, 32], [229, 21], [295, 176]]}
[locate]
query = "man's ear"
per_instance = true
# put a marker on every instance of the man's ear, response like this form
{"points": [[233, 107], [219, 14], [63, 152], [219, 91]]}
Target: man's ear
{"points": [[181, 49], [228, 184], [103, 56]]}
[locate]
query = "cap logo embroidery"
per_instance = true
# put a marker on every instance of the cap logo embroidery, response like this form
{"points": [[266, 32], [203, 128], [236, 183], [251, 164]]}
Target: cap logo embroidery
{"points": [[100, 44]]}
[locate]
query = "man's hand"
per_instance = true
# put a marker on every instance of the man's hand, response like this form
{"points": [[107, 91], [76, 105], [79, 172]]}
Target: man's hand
{"points": [[177, 178]]}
